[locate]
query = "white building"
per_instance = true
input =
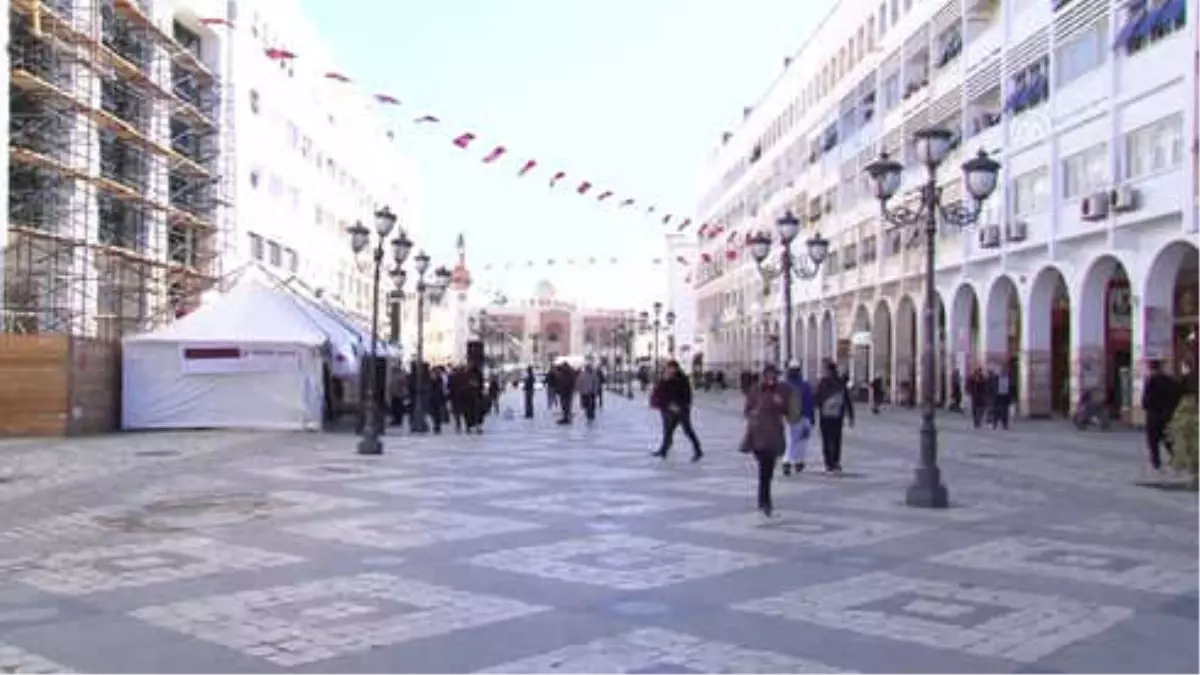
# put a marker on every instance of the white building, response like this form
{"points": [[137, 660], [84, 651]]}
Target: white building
{"points": [[685, 338], [1083, 264], [315, 154], [119, 162]]}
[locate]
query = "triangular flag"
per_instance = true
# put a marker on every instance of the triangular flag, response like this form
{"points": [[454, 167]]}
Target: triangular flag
{"points": [[464, 140], [666, 219], [279, 54], [684, 225], [495, 154], [604, 195], [387, 100], [557, 177], [627, 202], [336, 76], [583, 187], [527, 167], [425, 119]]}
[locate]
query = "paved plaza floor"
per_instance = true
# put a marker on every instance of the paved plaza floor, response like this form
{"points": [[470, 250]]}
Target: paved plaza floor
{"points": [[540, 548]]}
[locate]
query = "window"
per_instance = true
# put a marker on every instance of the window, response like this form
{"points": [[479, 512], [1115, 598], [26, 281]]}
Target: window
{"points": [[883, 19], [255, 177], [292, 260], [1031, 192], [891, 91], [1085, 172], [255, 104], [1081, 54], [895, 11], [276, 254], [256, 246], [1154, 148]]}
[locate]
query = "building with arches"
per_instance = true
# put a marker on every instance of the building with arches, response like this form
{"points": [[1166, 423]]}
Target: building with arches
{"points": [[1083, 265]]}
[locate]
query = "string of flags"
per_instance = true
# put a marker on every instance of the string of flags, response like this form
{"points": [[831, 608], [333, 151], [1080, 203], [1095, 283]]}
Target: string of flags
{"points": [[591, 261], [494, 154], [581, 262]]}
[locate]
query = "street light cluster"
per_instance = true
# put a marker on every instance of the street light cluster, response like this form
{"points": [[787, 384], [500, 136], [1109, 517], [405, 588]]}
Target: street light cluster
{"points": [[435, 290], [646, 324], [980, 175]]}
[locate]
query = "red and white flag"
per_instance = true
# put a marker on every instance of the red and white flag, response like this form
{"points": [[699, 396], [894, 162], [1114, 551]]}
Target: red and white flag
{"points": [[464, 140], [495, 154], [557, 177], [527, 167], [583, 187]]}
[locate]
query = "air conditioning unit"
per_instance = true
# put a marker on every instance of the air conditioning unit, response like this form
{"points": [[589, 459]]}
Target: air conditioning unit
{"points": [[1123, 198], [1016, 231], [1094, 206], [989, 236]]}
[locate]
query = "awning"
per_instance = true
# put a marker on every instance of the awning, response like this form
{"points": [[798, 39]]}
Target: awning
{"points": [[1134, 29]]}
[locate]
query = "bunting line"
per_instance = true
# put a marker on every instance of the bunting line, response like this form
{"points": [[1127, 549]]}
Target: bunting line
{"points": [[465, 141]]}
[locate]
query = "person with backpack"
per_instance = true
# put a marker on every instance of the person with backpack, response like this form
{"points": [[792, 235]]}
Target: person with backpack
{"points": [[834, 408], [770, 407]]}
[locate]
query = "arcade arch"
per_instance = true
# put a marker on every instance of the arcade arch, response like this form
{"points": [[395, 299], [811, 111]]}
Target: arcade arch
{"points": [[1048, 345], [812, 351], [964, 329], [861, 343], [904, 363], [1169, 297], [881, 335], [1003, 334], [1104, 321]]}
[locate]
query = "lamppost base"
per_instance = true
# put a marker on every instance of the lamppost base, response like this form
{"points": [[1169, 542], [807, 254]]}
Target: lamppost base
{"points": [[370, 445], [927, 490]]}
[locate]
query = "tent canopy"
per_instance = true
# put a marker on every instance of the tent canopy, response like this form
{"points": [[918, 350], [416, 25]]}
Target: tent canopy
{"points": [[251, 312]]}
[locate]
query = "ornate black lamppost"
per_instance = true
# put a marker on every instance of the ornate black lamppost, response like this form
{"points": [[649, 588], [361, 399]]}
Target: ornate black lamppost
{"points": [[670, 317], [418, 423], [646, 324], [360, 239], [788, 227], [979, 177], [396, 306]]}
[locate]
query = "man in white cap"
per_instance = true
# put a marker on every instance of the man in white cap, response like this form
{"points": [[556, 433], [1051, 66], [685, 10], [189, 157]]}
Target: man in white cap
{"points": [[801, 430]]}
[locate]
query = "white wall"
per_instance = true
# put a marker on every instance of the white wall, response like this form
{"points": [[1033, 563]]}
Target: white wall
{"points": [[305, 117]]}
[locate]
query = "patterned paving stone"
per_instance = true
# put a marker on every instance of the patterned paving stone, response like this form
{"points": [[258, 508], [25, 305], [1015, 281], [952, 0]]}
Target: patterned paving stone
{"points": [[104, 569], [445, 487], [327, 472], [410, 529], [744, 486], [655, 650], [620, 561], [18, 661], [585, 473], [1133, 569], [806, 529], [975, 508], [323, 619], [1129, 528], [597, 502], [1017, 626]]}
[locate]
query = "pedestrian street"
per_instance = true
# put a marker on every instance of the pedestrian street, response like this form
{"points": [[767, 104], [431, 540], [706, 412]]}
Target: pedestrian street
{"points": [[536, 547]]}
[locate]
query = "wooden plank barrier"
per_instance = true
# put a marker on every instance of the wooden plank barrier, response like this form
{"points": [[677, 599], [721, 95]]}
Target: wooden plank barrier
{"points": [[58, 385]]}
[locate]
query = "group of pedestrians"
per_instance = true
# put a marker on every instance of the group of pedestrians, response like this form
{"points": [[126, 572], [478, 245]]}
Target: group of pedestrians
{"points": [[562, 384], [459, 394], [781, 416]]}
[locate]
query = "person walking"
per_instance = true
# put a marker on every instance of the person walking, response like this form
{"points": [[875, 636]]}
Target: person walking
{"points": [[436, 396], [977, 390], [493, 393], [564, 382], [1160, 396], [551, 388], [588, 386], [770, 408], [799, 431], [529, 385], [398, 390], [834, 407], [1000, 396], [672, 397]]}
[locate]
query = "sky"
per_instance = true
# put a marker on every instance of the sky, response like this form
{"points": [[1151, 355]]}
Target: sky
{"points": [[631, 95]]}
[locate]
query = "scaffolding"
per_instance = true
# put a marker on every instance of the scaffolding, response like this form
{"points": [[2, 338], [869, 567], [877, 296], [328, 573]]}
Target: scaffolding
{"points": [[121, 167]]}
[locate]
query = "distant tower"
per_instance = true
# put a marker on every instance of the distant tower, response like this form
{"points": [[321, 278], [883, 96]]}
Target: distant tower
{"points": [[460, 280]]}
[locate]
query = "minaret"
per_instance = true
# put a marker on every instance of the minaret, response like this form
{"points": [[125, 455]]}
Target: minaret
{"points": [[460, 309]]}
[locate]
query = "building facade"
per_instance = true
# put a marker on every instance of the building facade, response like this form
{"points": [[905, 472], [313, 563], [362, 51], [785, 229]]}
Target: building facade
{"points": [[685, 340], [315, 154], [120, 164], [1082, 266]]}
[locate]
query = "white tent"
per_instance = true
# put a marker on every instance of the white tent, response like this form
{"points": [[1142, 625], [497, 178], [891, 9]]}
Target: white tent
{"points": [[252, 359]]}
